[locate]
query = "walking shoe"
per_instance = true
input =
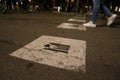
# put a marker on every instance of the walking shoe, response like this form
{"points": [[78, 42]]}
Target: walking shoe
{"points": [[111, 19], [89, 24]]}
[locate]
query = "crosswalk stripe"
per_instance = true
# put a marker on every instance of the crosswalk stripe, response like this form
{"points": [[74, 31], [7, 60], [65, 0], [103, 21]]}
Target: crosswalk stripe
{"points": [[77, 20], [72, 26], [79, 17], [48, 50]]}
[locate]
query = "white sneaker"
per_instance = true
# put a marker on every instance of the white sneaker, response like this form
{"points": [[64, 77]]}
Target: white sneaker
{"points": [[111, 19], [89, 24]]}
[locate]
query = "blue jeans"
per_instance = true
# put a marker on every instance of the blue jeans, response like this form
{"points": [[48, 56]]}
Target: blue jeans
{"points": [[97, 4]]}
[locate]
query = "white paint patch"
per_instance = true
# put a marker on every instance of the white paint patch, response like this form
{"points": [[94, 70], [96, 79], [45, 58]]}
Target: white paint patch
{"points": [[72, 26], [79, 17], [77, 20], [73, 60]]}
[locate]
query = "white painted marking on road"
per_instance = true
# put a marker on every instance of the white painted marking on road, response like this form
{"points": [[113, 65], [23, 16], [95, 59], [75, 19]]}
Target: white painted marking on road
{"points": [[72, 26], [76, 17], [77, 20], [36, 51]]}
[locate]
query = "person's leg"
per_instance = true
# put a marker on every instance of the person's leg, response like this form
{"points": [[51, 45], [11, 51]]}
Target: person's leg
{"points": [[108, 13], [105, 9], [95, 12]]}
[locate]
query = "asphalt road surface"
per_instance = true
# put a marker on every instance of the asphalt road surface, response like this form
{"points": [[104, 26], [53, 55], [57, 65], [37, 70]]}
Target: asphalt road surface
{"points": [[102, 59]]}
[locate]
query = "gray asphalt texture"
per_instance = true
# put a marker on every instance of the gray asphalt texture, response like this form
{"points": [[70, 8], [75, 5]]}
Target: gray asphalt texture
{"points": [[17, 30]]}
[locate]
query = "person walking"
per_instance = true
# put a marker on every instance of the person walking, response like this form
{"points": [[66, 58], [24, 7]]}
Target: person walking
{"points": [[97, 5]]}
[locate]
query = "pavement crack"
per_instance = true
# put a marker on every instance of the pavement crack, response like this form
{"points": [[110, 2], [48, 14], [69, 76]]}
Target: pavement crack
{"points": [[7, 42]]}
